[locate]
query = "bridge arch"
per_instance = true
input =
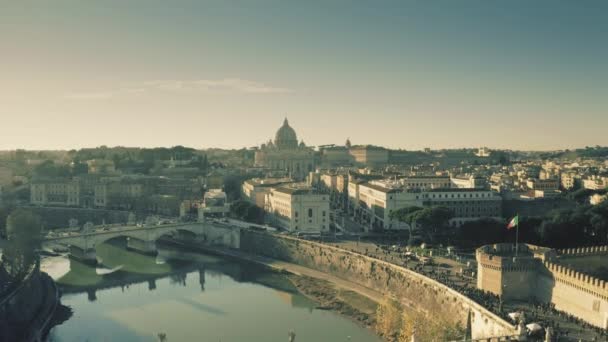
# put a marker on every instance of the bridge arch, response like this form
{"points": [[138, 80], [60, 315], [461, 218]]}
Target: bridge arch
{"points": [[142, 239]]}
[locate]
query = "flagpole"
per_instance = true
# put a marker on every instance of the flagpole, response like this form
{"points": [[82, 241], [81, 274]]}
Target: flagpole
{"points": [[516, 235]]}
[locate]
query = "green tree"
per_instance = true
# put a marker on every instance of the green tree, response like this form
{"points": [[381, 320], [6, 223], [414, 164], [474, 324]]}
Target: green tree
{"points": [[481, 232], [406, 215], [49, 169], [431, 220], [23, 230]]}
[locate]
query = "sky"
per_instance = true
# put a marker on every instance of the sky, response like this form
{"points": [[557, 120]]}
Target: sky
{"points": [[518, 74]]}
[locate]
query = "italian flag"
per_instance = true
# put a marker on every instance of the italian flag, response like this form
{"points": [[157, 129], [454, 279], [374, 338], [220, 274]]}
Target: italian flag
{"points": [[514, 222]]}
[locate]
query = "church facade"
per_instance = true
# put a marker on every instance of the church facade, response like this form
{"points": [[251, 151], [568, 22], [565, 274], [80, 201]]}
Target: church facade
{"points": [[286, 154]]}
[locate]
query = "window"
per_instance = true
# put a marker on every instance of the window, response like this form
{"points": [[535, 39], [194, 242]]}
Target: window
{"points": [[323, 213], [310, 212]]}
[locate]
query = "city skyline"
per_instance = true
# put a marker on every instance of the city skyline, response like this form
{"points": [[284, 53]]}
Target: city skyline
{"points": [[216, 74]]}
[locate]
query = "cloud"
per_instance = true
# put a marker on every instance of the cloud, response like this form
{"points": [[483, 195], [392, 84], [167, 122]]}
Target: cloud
{"points": [[235, 85], [102, 95]]}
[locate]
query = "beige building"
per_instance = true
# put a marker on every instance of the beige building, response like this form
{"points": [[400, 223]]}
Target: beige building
{"points": [[369, 155], [215, 204], [333, 156], [558, 277], [597, 199], [374, 202], [101, 166], [117, 194], [549, 184], [425, 182], [284, 153], [595, 183], [300, 210], [255, 190], [468, 182], [466, 204], [377, 201], [569, 180], [483, 152], [55, 193]]}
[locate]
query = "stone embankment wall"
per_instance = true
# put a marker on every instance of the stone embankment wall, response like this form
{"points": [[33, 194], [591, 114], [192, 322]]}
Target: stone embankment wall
{"points": [[222, 235], [25, 312], [412, 289]]}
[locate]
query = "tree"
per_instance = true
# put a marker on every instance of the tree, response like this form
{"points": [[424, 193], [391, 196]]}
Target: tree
{"points": [[433, 220], [483, 231], [434, 328], [406, 215], [23, 229], [49, 169], [430, 220], [247, 211], [79, 168]]}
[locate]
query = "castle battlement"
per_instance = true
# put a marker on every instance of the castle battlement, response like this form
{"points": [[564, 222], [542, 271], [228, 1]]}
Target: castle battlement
{"points": [[583, 251], [578, 280], [546, 275], [502, 257]]}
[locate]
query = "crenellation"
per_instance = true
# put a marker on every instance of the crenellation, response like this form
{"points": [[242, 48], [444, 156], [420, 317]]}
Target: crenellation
{"points": [[580, 251], [569, 289]]}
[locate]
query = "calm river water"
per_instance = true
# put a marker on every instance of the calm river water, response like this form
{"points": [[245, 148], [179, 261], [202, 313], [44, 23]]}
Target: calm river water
{"points": [[188, 297]]}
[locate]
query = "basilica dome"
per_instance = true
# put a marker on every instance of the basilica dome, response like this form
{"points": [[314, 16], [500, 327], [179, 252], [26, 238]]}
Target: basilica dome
{"points": [[286, 137]]}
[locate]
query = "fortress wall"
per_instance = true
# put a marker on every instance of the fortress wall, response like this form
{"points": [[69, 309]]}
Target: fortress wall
{"points": [[505, 276], [489, 273], [541, 277], [583, 251], [412, 289], [575, 293], [519, 283]]}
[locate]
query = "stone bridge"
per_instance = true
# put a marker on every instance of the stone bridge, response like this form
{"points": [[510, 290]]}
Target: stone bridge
{"points": [[142, 238]]}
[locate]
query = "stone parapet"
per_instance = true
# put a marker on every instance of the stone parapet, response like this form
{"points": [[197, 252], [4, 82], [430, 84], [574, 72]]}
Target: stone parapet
{"points": [[578, 280], [581, 251]]}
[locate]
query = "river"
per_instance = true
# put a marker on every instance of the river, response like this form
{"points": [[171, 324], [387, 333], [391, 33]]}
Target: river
{"points": [[189, 297]]}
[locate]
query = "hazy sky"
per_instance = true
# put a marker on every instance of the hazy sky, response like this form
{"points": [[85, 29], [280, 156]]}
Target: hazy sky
{"points": [[410, 74]]}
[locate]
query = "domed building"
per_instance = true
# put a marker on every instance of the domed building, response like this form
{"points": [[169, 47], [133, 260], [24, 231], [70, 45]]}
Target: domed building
{"points": [[286, 137], [286, 154]]}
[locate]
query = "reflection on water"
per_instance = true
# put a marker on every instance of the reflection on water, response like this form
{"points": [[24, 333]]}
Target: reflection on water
{"points": [[189, 297], [103, 271]]}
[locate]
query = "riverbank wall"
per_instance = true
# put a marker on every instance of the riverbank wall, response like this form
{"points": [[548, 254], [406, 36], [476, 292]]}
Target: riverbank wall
{"points": [[410, 288], [26, 312]]}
